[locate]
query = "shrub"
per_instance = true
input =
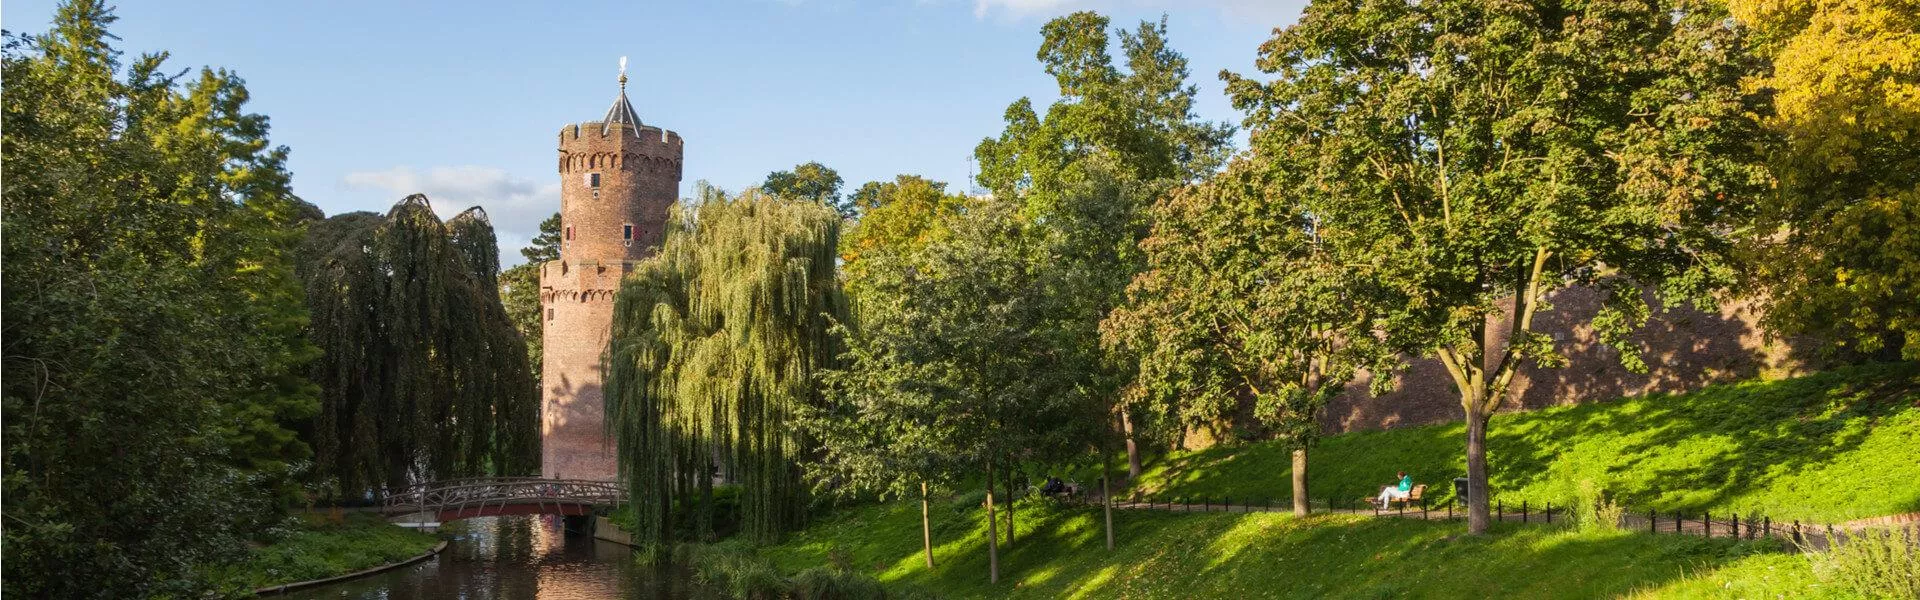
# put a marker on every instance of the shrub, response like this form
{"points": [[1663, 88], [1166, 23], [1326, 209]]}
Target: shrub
{"points": [[821, 583], [742, 573], [1876, 563]]}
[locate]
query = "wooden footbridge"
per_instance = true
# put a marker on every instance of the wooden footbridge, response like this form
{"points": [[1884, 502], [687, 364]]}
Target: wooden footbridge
{"points": [[454, 499]]}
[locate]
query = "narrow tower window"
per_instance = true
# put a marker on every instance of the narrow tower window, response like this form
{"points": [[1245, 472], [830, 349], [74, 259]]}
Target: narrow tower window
{"points": [[593, 180], [626, 235], [549, 314]]}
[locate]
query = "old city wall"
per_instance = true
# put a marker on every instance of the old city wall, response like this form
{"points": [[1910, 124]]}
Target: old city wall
{"points": [[1685, 349]]}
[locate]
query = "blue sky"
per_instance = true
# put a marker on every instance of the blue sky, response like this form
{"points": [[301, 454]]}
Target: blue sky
{"points": [[462, 101]]}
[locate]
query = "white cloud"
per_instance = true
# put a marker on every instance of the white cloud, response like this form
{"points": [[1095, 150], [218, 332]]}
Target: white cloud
{"points": [[1278, 12], [515, 206]]}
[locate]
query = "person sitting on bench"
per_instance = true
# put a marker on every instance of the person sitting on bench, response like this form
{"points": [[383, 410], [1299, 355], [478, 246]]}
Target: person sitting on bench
{"points": [[1396, 492], [1053, 486]]}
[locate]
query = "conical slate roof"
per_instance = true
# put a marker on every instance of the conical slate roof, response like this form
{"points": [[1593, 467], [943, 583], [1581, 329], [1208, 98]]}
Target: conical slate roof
{"points": [[621, 112]]}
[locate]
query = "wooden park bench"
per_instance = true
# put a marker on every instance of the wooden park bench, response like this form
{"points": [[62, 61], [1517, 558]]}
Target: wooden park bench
{"points": [[1413, 497]]}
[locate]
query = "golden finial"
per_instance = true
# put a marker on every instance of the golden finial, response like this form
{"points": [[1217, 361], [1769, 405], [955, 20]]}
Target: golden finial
{"points": [[623, 73]]}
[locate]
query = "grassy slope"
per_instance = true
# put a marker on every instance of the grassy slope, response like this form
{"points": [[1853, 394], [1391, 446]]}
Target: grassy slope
{"points": [[1060, 553], [1833, 446], [321, 548]]}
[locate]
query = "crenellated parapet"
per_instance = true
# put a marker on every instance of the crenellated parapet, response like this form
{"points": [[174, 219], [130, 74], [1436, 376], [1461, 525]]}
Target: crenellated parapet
{"points": [[591, 146]]}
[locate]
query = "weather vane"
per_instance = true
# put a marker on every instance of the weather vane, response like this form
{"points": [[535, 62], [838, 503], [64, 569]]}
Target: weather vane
{"points": [[623, 72]]}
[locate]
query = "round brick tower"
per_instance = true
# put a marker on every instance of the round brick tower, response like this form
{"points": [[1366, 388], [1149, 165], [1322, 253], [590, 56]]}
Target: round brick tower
{"points": [[617, 180]]}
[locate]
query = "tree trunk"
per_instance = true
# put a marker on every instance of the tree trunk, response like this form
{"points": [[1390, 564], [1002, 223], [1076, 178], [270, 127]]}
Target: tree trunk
{"points": [[1007, 484], [1106, 493], [1477, 515], [926, 527], [993, 534], [1133, 449], [1300, 507], [706, 503]]}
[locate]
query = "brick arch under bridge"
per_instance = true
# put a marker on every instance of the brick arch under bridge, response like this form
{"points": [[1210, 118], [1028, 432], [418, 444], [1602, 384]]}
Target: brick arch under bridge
{"points": [[466, 498]]}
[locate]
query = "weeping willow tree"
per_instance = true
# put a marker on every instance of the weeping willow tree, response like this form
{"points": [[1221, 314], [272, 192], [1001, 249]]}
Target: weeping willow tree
{"points": [[716, 343], [424, 375]]}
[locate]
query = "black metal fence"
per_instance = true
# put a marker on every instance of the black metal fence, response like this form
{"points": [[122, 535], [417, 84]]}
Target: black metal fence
{"points": [[1749, 526]]}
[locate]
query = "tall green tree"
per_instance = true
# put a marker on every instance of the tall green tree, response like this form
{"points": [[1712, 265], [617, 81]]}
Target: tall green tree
{"points": [[424, 375], [520, 292], [809, 181], [897, 216], [957, 369], [1088, 170], [153, 348], [1476, 156], [717, 342], [1243, 299], [545, 245], [1838, 240]]}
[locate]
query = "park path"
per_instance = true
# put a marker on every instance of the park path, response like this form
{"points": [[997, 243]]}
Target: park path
{"points": [[1804, 535]]}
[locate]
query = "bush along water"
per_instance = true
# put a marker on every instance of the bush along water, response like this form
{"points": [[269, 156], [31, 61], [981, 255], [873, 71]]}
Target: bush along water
{"points": [[733, 567]]}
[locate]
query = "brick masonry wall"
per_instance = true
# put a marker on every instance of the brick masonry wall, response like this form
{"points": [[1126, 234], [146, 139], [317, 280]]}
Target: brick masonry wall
{"points": [[1685, 349], [639, 180]]}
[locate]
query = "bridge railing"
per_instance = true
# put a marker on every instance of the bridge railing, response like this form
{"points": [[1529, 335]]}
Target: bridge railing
{"points": [[455, 494]]}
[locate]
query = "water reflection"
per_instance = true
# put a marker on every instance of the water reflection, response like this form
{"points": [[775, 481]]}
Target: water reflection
{"points": [[511, 558]]}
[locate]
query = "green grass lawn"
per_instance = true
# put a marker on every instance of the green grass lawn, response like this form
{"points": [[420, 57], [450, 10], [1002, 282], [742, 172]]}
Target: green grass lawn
{"points": [[1060, 553], [320, 548], [1828, 447], [1832, 446]]}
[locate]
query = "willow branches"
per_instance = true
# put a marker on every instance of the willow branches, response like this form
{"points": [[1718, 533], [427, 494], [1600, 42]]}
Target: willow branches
{"points": [[423, 375], [716, 342]]}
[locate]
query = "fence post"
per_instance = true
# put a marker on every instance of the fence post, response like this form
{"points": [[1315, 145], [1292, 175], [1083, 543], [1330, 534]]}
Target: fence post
{"points": [[1500, 511], [1796, 532], [1706, 523], [1523, 511], [1449, 510], [1423, 507], [1736, 526], [1766, 527], [1549, 512], [1653, 521]]}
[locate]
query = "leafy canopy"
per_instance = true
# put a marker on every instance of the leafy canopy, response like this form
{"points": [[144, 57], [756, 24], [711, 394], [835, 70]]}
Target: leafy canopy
{"points": [[520, 291], [1242, 299], [1838, 242], [717, 341], [1471, 157], [809, 181], [153, 349], [424, 375], [895, 217]]}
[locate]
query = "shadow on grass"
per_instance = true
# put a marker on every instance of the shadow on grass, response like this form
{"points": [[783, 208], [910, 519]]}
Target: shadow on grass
{"points": [[1219, 555], [1729, 447], [1827, 446]]}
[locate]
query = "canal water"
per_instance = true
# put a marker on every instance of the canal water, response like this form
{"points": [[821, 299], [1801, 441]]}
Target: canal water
{"points": [[514, 558]]}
